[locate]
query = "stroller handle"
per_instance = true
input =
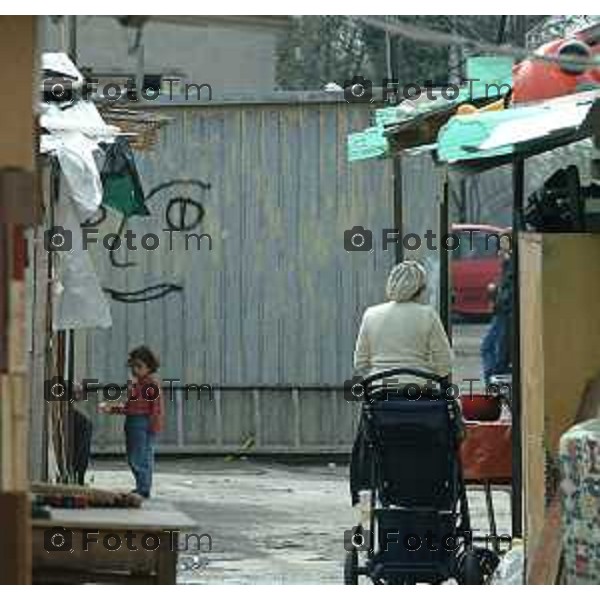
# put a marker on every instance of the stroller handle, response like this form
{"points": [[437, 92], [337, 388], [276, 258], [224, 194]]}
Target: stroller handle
{"points": [[404, 371]]}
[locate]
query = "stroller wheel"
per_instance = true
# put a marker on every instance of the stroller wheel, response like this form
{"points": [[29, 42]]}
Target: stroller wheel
{"points": [[471, 571], [351, 568], [489, 561]]}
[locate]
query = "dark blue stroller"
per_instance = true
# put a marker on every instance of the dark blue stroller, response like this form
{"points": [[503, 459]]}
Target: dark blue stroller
{"points": [[406, 455]]}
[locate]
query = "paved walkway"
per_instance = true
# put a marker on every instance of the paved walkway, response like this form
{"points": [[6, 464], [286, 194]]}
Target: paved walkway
{"points": [[269, 522]]}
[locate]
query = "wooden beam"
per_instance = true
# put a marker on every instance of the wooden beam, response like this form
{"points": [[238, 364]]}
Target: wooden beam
{"points": [[15, 541], [18, 59], [14, 414], [17, 169], [544, 559]]}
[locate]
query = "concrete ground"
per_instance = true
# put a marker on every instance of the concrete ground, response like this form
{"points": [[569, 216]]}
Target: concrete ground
{"points": [[273, 522], [269, 522]]}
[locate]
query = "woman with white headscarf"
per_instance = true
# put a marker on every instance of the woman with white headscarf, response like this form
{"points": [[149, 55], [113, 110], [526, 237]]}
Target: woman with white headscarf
{"points": [[403, 332]]}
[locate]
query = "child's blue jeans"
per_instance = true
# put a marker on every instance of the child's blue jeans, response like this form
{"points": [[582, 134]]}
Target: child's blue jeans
{"points": [[139, 441]]}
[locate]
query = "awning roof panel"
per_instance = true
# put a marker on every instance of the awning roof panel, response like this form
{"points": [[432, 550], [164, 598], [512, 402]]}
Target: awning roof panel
{"points": [[518, 130], [416, 121]]}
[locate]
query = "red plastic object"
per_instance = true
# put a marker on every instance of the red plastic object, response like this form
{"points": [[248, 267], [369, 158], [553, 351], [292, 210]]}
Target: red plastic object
{"points": [[535, 80], [480, 407], [486, 452], [79, 501]]}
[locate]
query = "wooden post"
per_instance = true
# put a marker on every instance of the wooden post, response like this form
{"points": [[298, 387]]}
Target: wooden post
{"points": [[40, 301], [15, 518], [17, 208]]}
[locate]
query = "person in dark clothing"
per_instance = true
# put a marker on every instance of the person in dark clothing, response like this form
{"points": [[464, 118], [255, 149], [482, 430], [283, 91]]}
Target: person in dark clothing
{"points": [[79, 436], [504, 310], [497, 343]]}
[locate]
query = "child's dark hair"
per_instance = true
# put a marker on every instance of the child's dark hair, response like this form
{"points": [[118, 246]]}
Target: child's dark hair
{"points": [[145, 355]]}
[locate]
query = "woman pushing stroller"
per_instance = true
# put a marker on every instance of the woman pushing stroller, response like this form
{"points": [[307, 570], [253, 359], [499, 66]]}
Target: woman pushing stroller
{"points": [[402, 333], [405, 331], [405, 469]]}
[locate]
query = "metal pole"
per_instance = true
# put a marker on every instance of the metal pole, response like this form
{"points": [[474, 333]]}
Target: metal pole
{"points": [[516, 400], [454, 57], [392, 55], [392, 43], [388, 56], [397, 166], [73, 38], [445, 262], [139, 76]]}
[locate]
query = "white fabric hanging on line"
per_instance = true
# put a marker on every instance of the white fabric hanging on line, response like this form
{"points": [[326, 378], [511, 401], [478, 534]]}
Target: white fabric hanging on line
{"points": [[79, 301], [72, 134], [81, 176]]}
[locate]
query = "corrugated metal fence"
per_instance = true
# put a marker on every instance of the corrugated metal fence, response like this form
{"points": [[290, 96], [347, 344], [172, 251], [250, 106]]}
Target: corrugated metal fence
{"points": [[268, 315]]}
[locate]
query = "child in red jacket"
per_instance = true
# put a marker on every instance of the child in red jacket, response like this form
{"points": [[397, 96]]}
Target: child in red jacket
{"points": [[144, 413]]}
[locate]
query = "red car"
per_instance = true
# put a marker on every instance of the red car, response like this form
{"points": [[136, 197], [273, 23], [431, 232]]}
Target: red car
{"points": [[475, 269]]}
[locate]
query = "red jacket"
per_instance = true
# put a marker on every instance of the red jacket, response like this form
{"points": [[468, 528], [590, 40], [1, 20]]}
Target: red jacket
{"points": [[144, 398]]}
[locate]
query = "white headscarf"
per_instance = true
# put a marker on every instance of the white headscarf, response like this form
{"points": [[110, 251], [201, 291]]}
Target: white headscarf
{"points": [[406, 281]]}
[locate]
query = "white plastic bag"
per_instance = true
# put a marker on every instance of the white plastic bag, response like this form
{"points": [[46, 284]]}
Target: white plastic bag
{"points": [[79, 300]]}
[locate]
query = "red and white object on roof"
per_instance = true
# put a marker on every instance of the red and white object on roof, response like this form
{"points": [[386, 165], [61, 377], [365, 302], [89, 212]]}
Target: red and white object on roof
{"points": [[571, 66]]}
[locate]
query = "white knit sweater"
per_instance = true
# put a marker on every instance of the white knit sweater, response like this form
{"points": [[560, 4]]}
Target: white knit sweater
{"points": [[402, 334]]}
